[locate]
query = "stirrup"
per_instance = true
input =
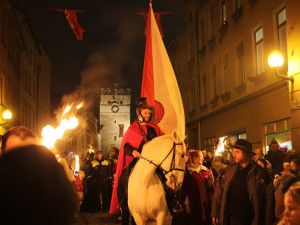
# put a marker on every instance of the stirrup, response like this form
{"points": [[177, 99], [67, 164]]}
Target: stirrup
{"points": [[176, 207]]}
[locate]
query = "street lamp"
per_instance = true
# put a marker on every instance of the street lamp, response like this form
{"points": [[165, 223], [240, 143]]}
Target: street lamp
{"points": [[275, 60], [6, 115]]}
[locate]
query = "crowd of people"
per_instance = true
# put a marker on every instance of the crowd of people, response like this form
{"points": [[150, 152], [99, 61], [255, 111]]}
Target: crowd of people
{"points": [[241, 186]]}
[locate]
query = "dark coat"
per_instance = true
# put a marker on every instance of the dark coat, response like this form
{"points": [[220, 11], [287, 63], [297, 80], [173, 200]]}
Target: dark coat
{"points": [[276, 158], [260, 189]]}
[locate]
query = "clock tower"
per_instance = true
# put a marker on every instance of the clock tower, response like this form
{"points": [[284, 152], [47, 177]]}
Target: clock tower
{"points": [[114, 116]]}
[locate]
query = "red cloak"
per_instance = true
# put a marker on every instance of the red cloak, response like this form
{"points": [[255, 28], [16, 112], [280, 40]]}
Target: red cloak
{"points": [[200, 195], [134, 137]]}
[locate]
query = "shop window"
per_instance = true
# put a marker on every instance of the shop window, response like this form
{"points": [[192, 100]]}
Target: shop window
{"points": [[238, 134], [280, 131], [209, 143]]}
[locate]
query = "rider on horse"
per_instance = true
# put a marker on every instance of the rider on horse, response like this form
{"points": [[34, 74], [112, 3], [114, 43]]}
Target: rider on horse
{"points": [[139, 132]]}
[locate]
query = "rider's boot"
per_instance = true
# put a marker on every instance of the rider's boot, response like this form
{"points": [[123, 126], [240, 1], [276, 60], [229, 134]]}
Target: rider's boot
{"points": [[173, 205]]}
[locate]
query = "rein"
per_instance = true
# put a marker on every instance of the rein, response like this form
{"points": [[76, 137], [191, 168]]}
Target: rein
{"points": [[172, 166]]}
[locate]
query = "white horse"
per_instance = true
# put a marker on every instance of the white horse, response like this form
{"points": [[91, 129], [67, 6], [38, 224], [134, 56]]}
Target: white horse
{"points": [[146, 195]]}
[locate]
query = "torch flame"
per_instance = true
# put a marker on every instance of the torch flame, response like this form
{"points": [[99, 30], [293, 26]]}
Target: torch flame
{"points": [[77, 166], [67, 109], [220, 147], [79, 105], [51, 134]]}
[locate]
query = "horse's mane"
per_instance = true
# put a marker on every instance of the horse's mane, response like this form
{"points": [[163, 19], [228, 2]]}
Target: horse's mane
{"points": [[155, 144]]}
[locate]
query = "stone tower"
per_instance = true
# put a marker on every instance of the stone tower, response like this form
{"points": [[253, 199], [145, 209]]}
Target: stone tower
{"points": [[114, 116]]}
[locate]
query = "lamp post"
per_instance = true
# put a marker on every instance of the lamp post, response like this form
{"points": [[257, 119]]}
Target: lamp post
{"points": [[6, 115], [275, 60]]}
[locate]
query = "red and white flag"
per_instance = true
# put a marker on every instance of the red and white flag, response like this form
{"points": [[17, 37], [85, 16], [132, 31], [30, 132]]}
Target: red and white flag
{"points": [[159, 83]]}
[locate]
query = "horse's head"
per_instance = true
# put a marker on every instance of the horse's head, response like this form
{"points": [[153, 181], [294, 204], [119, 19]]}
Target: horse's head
{"points": [[176, 169], [168, 152]]}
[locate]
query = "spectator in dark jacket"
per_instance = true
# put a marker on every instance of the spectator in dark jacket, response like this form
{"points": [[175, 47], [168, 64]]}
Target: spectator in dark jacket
{"points": [[275, 157], [34, 188], [244, 194]]}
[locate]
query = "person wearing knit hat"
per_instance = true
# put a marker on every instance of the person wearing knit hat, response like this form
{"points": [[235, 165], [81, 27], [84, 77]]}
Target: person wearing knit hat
{"points": [[275, 156], [244, 192]]}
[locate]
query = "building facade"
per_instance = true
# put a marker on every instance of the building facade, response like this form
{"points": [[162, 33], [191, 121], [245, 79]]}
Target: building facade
{"points": [[114, 116], [230, 89], [24, 72]]}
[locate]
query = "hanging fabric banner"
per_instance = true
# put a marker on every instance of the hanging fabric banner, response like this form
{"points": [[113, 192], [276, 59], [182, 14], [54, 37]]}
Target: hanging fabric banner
{"points": [[71, 16]]}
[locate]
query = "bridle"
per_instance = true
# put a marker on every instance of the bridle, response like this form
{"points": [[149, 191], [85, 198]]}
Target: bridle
{"points": [[172, 166]]}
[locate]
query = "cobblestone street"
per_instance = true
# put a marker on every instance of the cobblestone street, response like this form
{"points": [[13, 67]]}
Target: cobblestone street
{"points": [[101, 218], [95, 219]]}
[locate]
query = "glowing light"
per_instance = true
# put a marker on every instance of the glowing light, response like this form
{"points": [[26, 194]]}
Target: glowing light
{"points": [[51, 134], [275, 59], [79, 105], [67, 109], [91, 151], [6, 114], [77, 166], [221, 145]]}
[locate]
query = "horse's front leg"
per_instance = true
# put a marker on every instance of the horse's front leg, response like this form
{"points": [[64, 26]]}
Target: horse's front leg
{"points": [[138, 219], [160, 219]]}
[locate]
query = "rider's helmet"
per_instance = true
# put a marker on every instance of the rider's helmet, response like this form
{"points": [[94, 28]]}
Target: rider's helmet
{"points": [[142, 104]]}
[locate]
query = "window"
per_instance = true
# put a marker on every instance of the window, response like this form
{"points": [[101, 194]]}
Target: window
{"points": [[212, 20], [226, 73], [204, 89], [238, 134], [241, 63], [224, 12], [121, 130], [192, 96], [281, 23], [202, 35], [281, 131], [209, 143], [214, 80], [259, 46]]}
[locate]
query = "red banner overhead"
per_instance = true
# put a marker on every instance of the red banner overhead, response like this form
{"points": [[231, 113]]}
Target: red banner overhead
{"points": [[71, 16]]}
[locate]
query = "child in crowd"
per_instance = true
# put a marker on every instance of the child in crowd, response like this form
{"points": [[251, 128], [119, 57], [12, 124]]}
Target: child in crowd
{"points": [[291, 214]]}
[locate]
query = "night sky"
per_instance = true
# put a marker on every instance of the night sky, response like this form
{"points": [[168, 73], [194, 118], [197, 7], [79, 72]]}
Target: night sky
{"points": [[113, 43]]}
